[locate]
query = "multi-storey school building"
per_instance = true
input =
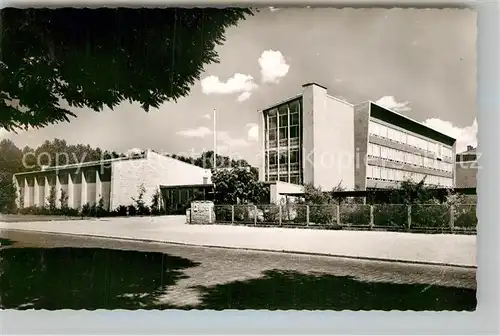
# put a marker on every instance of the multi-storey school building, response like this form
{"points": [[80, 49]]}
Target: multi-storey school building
{"points": [[319, 139], [466, 168]]}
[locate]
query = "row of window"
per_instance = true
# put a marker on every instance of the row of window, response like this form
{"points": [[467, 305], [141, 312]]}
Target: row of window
{"points": [[408, 158], [409, 139], [283, 156], [294, 178], [389, 174], [286, 132]]}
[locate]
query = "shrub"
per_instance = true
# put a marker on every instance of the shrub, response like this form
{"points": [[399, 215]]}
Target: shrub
{"points": [[86, 210], [101, 209], [63, 199], [430, 216], [155, 203], [131, 210], [466, 218], [140, 207], [223, 213], [357, 214], [52, 198], [242, 213], [322, 213], [120, 211], [270, 213], [390, 215]]}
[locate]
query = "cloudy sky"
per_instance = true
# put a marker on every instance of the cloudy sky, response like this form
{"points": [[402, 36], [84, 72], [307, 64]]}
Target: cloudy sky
{"points": [[419, 62]]}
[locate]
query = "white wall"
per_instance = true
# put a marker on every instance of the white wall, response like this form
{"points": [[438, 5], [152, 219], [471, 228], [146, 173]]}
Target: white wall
{"points": [[279, 188], [153, 171]]}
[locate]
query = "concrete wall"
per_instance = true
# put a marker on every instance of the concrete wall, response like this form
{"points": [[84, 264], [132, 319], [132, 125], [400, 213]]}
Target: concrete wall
{"points": [[37, 189], [466, 174], [153, 171], [361, 121], [279, 189], [328, 139], [310, 94]]}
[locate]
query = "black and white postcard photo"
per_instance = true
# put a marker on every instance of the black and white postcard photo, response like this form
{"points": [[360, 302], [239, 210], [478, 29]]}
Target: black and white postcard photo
{"points": [[267, 158]]}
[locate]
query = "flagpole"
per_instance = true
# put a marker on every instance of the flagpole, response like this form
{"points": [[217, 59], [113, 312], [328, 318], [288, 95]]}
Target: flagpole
{"points": [[215, 139]]}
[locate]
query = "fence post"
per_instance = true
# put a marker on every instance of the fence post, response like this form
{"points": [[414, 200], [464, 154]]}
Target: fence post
{"points": [[255, 215], [338, 214], [452, 217], [232, 214], [307, 215], [371, 216], [279, 214], [409, 217]]}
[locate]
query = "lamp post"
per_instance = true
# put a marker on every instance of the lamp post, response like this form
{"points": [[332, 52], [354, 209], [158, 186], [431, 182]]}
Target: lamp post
{"points": [[215, 139]]}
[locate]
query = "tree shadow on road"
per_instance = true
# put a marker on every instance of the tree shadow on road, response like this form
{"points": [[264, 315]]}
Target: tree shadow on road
{"points": [[283, 290], [86, 278]]}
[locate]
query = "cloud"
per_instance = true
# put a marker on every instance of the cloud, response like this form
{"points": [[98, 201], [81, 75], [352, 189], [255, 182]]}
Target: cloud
{"points": [[226, 140], [465, 136], [199, 132], [238, 83], [207, 116], [273, 66], [391, 103], [244, 96], [253, 131]]}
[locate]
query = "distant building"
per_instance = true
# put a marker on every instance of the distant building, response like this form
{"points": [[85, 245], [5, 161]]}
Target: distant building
{"points": [[466, 168], [116, 181], [319, 139]]}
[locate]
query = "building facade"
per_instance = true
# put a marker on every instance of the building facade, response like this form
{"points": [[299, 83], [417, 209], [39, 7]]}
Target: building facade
{"points": [[115, 181], [467, 168], [322, 140]]}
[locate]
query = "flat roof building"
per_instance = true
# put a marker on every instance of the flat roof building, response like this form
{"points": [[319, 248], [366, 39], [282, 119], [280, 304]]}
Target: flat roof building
{"points": [[116, 181], [466, 168], [325, 141]]}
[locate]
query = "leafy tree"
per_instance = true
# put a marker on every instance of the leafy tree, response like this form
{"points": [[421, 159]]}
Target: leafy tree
{"points": [[52, 198], [63, 199], [156, 203], [8, 194], [101, 57], [140, 203], [238, 185]]}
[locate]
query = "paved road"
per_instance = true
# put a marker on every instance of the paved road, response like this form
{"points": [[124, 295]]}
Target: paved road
{"points": [[459, 250], [218, 278]]}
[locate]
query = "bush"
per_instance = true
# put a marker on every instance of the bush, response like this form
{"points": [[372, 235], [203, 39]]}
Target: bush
{"points": [[120, 211], [86, 210], [390, 215], [322, 214], [223, 213], [430, 216], [466, 218], [156, 203], [242, 213], [131, 210], [270, 214], [357, 214], [101, 210]]}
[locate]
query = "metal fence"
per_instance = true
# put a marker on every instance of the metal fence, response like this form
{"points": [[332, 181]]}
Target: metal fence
{"points": [[393, 217]]}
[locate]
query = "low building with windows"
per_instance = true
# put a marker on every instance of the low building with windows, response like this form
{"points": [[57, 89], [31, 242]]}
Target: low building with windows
{"points": [[466, 168], [115, 181], [319, 139]]}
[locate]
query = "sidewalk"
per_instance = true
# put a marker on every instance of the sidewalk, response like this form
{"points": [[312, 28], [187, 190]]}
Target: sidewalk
{"points": [[458, 250]]}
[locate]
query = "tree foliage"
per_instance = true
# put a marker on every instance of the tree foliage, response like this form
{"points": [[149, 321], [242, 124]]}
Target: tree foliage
{"points": [[238, 185], [206, 160], [100, 57]]}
